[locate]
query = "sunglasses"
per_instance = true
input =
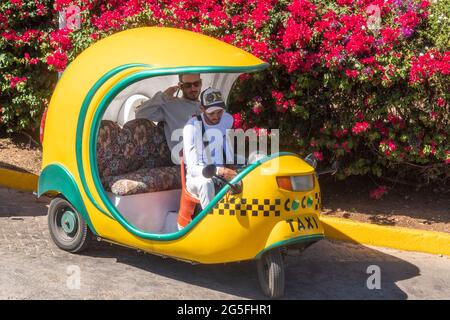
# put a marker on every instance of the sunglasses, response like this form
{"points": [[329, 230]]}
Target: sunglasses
{"points": [[188, 85]]}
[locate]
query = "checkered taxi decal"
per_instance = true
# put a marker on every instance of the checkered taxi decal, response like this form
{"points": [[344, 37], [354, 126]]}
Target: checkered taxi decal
{"points": [[259, 207]]}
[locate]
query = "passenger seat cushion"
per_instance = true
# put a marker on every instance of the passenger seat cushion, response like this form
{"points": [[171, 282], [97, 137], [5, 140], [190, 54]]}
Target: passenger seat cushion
{"points": [[135, 158], [151, 149], [108, 148], [162, 150], [144, 180]]}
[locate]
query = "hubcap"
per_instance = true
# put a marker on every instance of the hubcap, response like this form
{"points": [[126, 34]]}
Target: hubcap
{"points": [[68, 221]]}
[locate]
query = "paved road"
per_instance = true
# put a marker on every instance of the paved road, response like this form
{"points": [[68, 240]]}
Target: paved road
{"points": [[32, 267]]}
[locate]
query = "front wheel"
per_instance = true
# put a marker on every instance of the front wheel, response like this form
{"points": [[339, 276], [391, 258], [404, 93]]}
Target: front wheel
{"points": [[67, 227], [271, 273]]}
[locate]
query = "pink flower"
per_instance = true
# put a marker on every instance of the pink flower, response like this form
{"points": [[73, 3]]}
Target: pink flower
{"points": [[360, 127], [358, 43], [296, 34], [29, 59], [60, 39], [344, 2], [59, 4], [360, 115], [281, 105], [340, 133], [345, 147], [17, 3], [389, 35], [291, 60], [434, 115], [428, 64], [409, 20], [395, 120], [351, 73], [302, 10], [58, 59], [260, 131], [391, 145], [318, 155], [257, 109], [388, 147], [440, 102], [237, 121], [14, 81], [378, 192]]}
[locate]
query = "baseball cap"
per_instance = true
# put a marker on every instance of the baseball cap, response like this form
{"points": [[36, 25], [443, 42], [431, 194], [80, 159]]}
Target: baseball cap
{"points": [[211, 99]]}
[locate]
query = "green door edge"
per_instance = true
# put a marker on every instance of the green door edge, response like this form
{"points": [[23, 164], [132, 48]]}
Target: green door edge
{"points": [[55, 177], [116, 88], [296, 240], [80, 124]]}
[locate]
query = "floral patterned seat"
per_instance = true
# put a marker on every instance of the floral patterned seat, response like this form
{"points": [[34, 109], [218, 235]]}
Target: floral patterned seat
{"points": [[144, 180], [135, 159]]}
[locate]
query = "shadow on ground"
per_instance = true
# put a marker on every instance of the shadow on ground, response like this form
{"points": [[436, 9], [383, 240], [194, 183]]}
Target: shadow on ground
{"points": [[18, 204], [326, 270], [8, 166]]}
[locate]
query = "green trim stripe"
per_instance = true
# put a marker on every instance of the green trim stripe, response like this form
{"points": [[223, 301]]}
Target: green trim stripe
{"points": [[116, 89], [81, 121], [55, 177]]}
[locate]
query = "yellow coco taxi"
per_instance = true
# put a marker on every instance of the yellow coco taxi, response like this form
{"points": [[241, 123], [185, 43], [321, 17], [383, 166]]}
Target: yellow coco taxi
{"points": [[113, 184]]}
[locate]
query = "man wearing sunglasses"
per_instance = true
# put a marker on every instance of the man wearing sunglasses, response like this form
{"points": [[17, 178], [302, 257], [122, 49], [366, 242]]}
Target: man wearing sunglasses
{"points": [[204, 143], [167, 107]]}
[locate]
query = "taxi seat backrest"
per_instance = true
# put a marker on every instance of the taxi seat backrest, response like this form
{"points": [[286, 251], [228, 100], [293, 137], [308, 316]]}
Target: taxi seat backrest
{"points": [[135, 159]]}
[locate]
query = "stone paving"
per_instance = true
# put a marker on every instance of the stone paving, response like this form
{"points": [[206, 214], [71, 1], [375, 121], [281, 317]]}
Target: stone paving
{"points": [[32, 267]]}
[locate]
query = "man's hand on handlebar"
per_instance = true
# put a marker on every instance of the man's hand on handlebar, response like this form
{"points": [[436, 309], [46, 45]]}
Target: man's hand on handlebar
{"points": [[227, 173]]}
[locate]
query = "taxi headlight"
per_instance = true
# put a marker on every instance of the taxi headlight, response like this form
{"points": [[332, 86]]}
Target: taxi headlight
{"points": [[296, 183]]}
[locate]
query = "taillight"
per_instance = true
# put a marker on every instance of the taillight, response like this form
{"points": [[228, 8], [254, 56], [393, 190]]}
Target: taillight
{"points": [[42, 126], [296, 183]]}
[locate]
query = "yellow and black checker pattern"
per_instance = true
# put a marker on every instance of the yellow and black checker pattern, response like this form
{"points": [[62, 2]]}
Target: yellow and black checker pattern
{"points": [[251, 207], [318, 201], [256, 207]]}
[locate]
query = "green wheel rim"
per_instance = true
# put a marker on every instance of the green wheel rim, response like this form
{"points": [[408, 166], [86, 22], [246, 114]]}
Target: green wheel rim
{"points": [[68, 222]]}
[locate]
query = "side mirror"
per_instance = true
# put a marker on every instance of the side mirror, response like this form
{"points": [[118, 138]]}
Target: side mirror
{"points": [[334, 168], [255, 156], [311, 160], [209, 171]]}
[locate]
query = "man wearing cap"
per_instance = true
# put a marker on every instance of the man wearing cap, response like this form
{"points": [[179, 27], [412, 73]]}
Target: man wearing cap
{"points": [[173, 111], [204, 142]]}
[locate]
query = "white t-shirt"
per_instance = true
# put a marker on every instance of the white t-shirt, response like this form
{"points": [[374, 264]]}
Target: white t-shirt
{"points": [[196, 155]]}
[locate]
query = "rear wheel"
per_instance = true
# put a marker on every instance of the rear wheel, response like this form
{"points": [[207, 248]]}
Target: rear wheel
{"points": [[271, 273], [67, 227]]}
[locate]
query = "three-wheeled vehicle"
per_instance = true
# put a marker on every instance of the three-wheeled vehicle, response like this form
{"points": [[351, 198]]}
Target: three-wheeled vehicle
{"points": [[113, 179]]}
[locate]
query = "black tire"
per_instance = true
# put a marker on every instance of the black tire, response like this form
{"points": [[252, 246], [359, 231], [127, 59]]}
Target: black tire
{"points": [[271, 273], [74, 236]]}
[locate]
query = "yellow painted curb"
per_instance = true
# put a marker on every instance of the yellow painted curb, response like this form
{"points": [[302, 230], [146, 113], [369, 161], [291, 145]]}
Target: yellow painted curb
{"points": [[18, 180], [390, 237]]}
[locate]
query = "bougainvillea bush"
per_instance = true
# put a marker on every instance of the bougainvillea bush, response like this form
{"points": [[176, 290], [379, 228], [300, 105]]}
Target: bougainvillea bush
{"points": [[366, 82]]}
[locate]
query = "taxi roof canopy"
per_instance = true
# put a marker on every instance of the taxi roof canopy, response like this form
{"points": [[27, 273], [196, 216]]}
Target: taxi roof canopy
{"points": [[168, 51], [101, 74]]}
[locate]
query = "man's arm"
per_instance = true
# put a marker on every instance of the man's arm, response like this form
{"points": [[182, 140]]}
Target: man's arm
{"points": [[192, 151], [152, 109]]}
